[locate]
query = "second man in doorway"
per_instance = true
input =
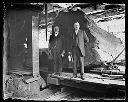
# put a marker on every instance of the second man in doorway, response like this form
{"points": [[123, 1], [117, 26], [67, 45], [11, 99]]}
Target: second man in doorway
{"points": [[57, 51]]}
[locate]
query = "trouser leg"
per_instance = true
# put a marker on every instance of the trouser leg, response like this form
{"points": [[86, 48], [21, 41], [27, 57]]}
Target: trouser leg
{"points": [[59, 68], [74, 62], [55, 62], [82, 65]]}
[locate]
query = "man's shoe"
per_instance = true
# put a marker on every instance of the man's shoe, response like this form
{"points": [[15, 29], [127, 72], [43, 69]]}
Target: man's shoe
{"points": [[54, 74], [82, 77], [60, 74], [74, 76]]}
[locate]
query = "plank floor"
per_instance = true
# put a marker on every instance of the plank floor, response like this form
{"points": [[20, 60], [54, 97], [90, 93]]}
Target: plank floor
{"points": [[94, 78]]}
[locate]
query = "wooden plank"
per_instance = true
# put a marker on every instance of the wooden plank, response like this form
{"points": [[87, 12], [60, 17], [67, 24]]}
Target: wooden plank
{"points": [[54, 81], [117, 72], [32, 79], [90, 78], [113, 76], [21, 72]]}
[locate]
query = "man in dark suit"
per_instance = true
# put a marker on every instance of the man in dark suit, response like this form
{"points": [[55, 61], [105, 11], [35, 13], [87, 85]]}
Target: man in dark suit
{"points": [[79, 38], [56, 49]]}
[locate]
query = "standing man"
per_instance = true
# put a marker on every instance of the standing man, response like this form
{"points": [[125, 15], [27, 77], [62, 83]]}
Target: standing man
{"points": [[79, 38], [57, 51]]}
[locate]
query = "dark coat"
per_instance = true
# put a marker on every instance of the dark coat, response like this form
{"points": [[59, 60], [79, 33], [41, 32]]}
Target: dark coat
{"points": [[56, 44], [82, 40]]}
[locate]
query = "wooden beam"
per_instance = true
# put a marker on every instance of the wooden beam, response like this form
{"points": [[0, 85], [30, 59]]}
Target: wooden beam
{"points": [[5, 50], [35, 46], [32, 79], [46, 16], [5, 64]]}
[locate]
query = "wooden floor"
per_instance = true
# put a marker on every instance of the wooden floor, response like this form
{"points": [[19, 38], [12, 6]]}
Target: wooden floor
{"points": [[92, 78]]}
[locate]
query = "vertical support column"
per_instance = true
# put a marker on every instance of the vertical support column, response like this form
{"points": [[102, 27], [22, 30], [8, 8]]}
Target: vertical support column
{"points": [[46, 16], [5, 50], [35, 46]]}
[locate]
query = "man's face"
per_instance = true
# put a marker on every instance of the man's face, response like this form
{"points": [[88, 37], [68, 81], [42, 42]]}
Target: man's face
{"points": [[77, 26], [56, 30]]}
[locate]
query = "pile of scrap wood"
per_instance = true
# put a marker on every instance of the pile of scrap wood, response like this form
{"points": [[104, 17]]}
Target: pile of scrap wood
{"points": [[111, 69], [110, 73]]}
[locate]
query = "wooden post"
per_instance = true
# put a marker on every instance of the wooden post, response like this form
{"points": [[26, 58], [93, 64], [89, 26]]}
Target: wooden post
{"points": [[46, 15], [35, 46], [5, 50]]}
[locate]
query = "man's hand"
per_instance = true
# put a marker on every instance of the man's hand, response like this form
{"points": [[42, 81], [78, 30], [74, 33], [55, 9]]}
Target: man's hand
{"points": [[69, 56], [69, 53], [62, 54], [49, 52], [50, 56]]}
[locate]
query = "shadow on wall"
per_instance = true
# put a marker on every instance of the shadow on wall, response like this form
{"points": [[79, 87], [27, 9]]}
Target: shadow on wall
{"points": [[19, 21]]}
